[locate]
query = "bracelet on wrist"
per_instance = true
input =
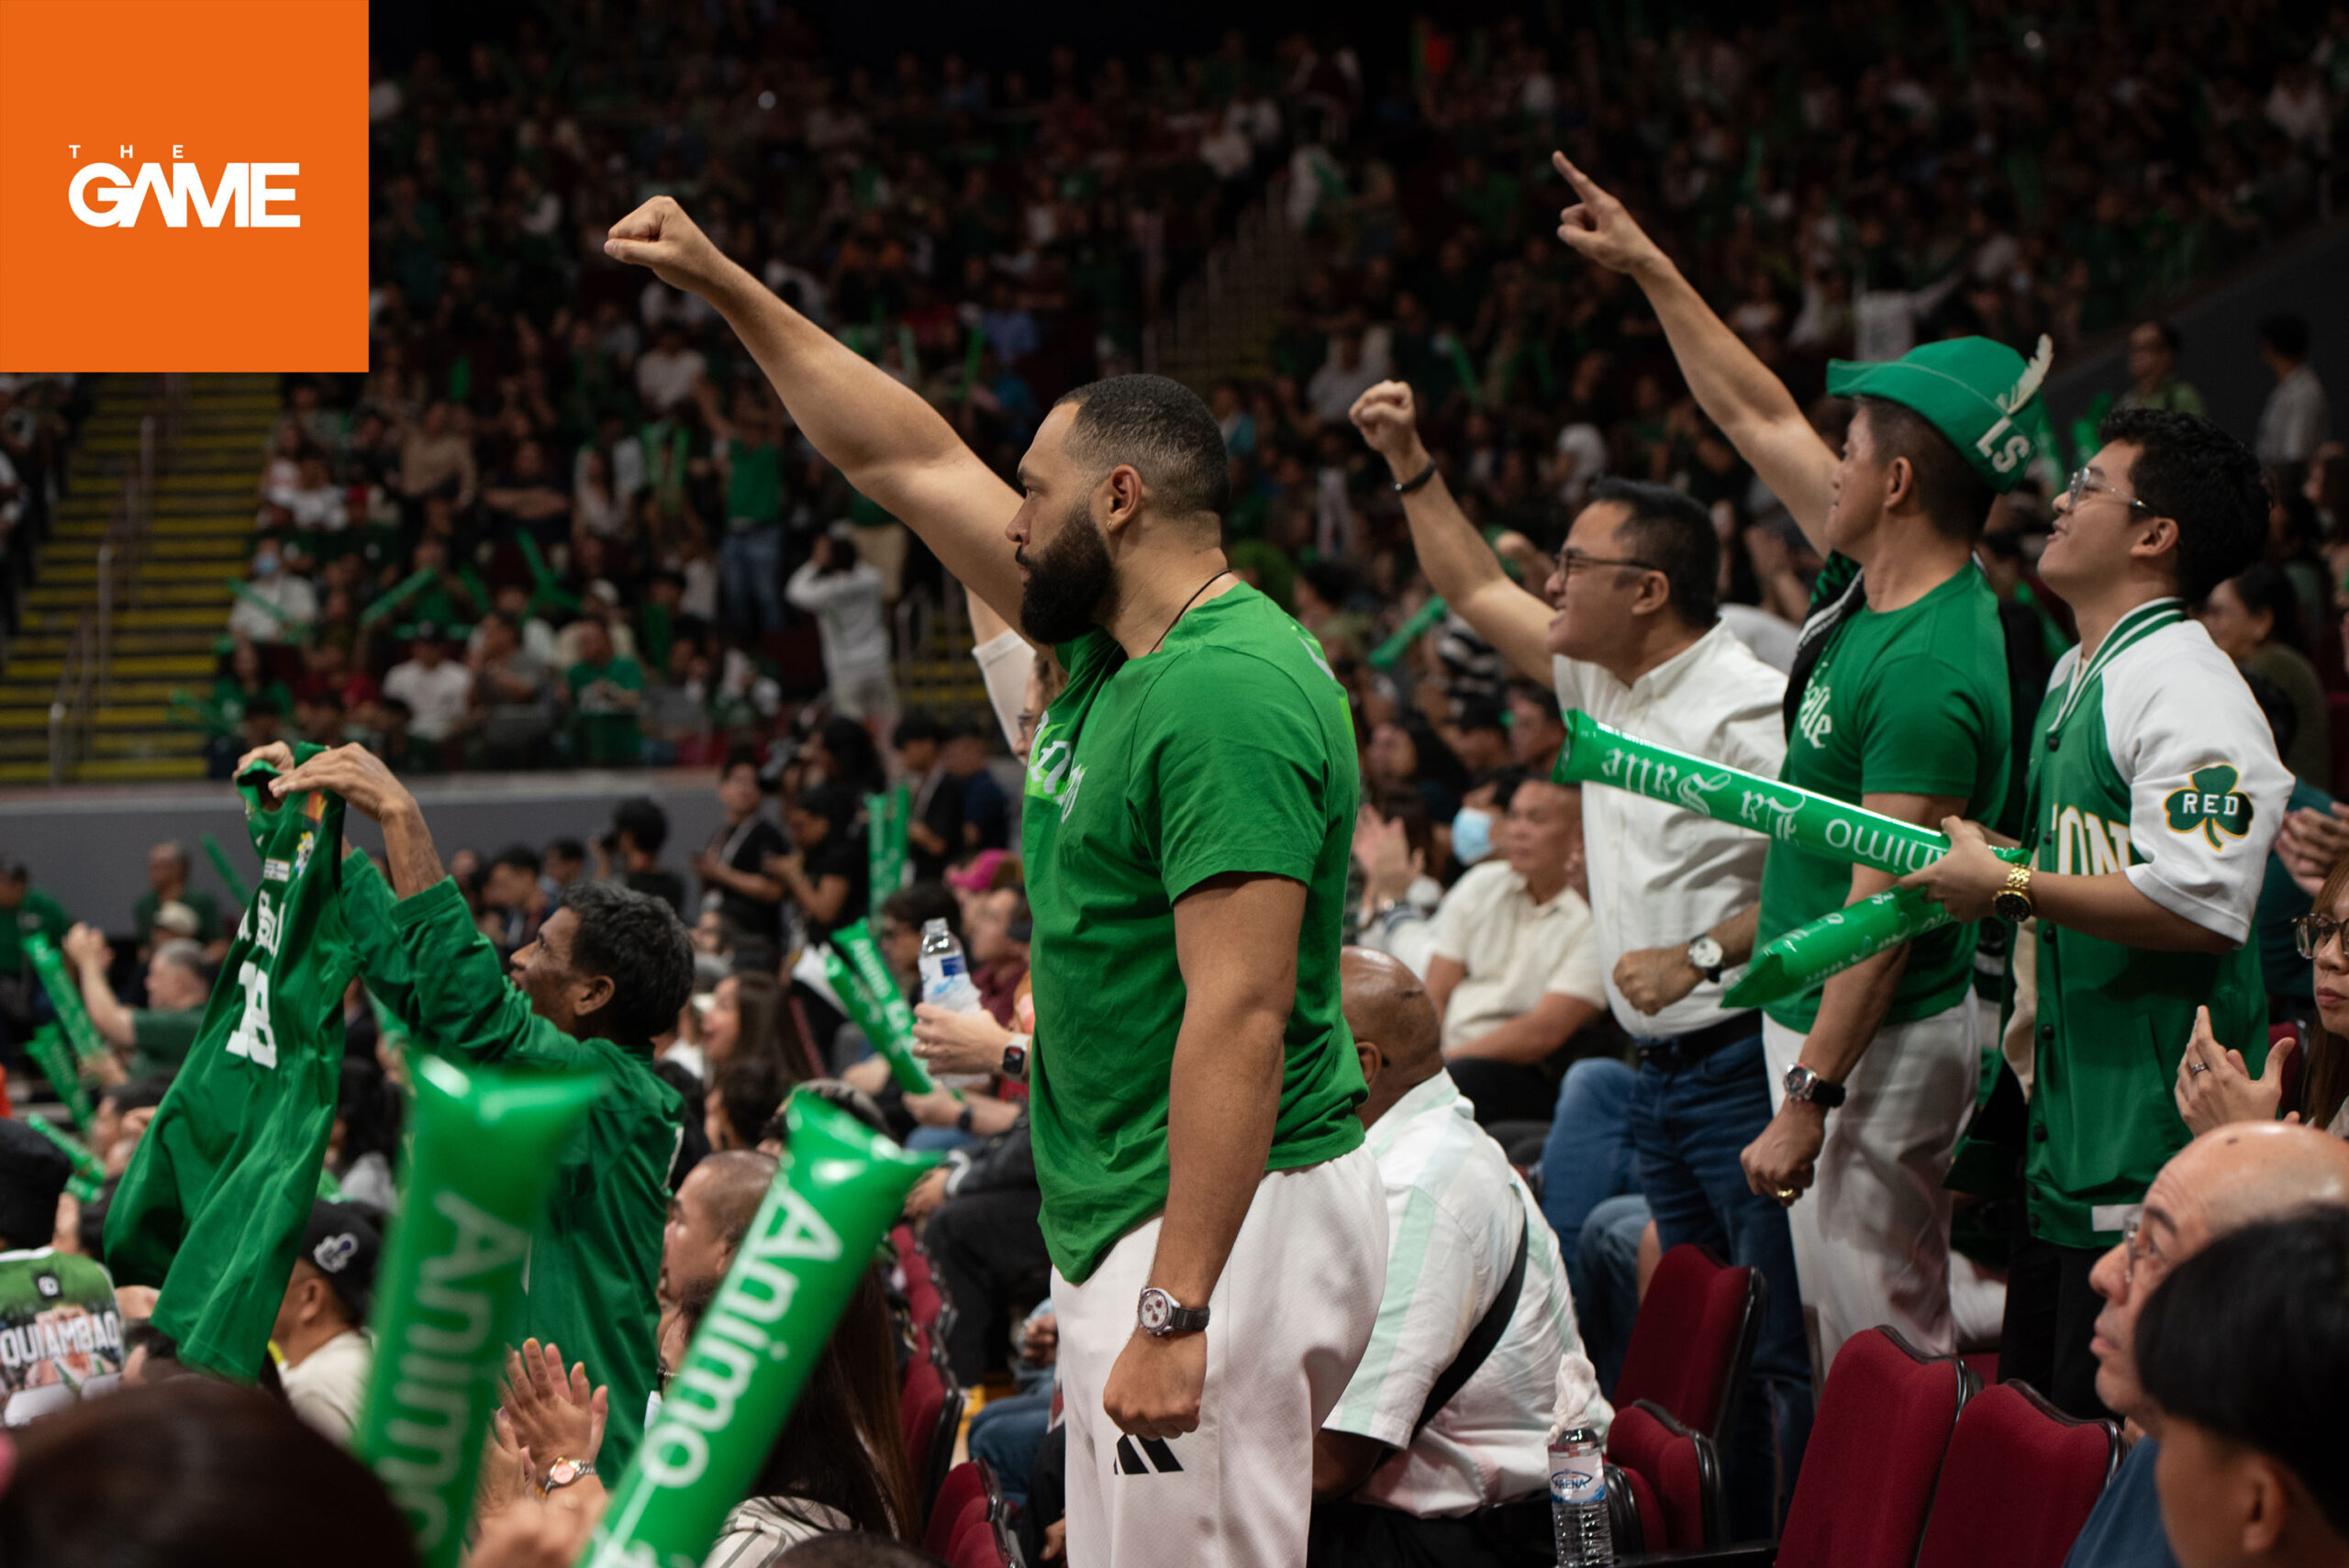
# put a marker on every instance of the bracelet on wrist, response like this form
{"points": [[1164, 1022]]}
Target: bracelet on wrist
{"points": [[1405, 486]]}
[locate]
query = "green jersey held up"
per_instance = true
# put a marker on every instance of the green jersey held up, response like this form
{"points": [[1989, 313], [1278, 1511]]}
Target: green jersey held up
{"points": [[213, 1205], [1229, 749]]}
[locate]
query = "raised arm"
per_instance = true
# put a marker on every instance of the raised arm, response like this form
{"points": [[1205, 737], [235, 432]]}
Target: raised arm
{"points": [[1736, 390], [889, 443], [1459, 564]]}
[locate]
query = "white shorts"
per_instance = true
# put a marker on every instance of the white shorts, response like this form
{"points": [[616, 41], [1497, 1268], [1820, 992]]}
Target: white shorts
{"points": [[862, 693], [1290, 1318], [1872, 1233]]}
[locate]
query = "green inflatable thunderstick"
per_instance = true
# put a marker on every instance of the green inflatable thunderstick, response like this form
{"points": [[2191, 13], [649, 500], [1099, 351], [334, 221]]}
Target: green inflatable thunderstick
{"points": [[1804, 957]]}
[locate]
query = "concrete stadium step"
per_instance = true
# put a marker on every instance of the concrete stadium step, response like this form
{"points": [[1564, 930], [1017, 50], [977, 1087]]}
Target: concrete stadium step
{"points": [[153, 599], [190, 527], [203, 565], [185, 667], [171, 639]]}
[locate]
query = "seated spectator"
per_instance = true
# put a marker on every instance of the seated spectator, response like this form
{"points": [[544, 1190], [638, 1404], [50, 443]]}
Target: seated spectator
{"points": [[1467, 1481], [708, 1216], [157, 1037], [667, 372], [512, 699], [323, 1347], [2220, 1182], [934, 834], [365, 1133], [510, 890], [978, 1213], [167, 883], [437, 459], [1010, 1429], [2255, 621], [732, 870], [746, 1016], [987, 810], [1000, 927], [2242, 1349], [436, 689], [1515, 966], [639, 828], [2214, 1086], [193, 1471], [600, 607], [275, 605], [825, 874], [529, 497], [44, 1294], [602, 691]]}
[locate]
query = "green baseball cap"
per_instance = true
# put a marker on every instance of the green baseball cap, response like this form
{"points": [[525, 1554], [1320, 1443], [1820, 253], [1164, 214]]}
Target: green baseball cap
{"points": [[1972, 390]]}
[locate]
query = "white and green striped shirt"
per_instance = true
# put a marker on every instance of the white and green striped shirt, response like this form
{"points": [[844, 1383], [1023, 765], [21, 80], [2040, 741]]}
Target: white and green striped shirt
{"points": [[1455, 1209]]}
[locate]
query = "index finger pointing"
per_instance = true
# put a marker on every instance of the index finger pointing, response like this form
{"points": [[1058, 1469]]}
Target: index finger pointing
{"points": [[1581, 182]]}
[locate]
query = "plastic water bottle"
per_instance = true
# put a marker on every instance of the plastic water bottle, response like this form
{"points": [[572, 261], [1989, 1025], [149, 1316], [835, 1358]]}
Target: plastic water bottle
{"points": [[946, 983], [1578, 1501]]}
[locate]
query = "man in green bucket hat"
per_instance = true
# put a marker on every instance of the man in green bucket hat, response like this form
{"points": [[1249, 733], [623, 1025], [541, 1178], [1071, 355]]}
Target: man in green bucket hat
{"points": [[1897, 702]]}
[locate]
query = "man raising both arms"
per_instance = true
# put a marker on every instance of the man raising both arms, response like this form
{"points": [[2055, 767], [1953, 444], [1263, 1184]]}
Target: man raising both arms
{"points": [[1218, 1231], [1897, 702]]}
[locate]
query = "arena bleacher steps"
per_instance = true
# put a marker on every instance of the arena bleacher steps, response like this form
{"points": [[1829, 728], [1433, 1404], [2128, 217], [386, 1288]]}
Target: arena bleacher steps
{"points": [[168, 621]]}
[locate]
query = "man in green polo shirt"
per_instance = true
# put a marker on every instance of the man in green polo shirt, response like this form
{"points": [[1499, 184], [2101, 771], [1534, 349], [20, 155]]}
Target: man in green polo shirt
{"points": [[2155, 796], [155, 1038], [24, 909], [1897, 702], [1217, 1228]]}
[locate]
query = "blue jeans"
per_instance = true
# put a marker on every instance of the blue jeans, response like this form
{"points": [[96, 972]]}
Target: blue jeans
{"points": [[1587, 1160], [1007, 1432], [1608, 1254], [751, 563], [940, 1139], [1688, 1126]]}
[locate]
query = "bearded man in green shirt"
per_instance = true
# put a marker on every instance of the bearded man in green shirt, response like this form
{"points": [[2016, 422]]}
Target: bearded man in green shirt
{"points": [[1216, 1229], [608, 970]]}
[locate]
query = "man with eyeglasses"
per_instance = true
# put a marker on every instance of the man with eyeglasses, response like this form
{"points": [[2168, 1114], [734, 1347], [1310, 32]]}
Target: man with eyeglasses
{"points": [[2221, 1182], [1897, 702], [2155, 796], [1627, 633]]}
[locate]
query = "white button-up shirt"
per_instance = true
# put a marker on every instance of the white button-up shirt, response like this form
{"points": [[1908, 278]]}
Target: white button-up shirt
{"points": [[1454, 1211], [1661, 874]]}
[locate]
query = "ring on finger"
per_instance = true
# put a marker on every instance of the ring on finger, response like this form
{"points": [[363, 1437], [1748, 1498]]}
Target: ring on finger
{"points": [[2194, 1067]]}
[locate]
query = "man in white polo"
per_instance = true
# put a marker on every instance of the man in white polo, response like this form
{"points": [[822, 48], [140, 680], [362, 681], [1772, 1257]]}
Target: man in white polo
{"points": [[1436, 1451]]}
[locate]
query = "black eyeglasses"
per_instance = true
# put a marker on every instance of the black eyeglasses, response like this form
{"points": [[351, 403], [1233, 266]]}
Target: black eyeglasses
{"points": [[2310, 932], [1570, 563]]}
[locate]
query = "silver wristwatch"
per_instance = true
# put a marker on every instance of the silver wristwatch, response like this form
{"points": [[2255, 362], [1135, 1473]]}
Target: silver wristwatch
{"points": [[1802, 1083], [1705, 956], [1160, 1316]]}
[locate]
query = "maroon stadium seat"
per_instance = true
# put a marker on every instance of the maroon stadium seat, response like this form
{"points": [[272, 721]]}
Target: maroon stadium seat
{"points": [[960, 1488], [2018, 1482], [1693, 1340], [1875, 1456], [929, 1411], [1673, 1475]]}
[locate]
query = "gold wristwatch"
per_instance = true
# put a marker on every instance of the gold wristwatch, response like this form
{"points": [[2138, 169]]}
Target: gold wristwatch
{"points": [[2012, 901]]}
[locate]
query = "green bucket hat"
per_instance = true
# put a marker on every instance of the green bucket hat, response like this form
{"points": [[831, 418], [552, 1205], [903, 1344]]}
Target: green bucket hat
{"points": [[1971, 390]]}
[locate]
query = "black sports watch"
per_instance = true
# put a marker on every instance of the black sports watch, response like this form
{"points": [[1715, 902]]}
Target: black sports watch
{"points": [[1705, 956], [1802, 1083], [1161, 1317], [1015, 1057]]}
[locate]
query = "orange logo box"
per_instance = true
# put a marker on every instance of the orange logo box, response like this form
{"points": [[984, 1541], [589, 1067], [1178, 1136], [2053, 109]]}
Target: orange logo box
{"points": [[182, 186]]}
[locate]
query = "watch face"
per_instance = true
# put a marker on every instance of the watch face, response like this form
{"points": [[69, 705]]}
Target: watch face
{"points": [[1705, 953], [1798, 1081], [563, 1474], [2010, 905], [1157, 1310]]}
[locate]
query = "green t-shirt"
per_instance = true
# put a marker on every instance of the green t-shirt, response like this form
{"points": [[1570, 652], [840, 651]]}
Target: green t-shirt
{"points": [[605, 730], [755, 485], [38, 912], [204, 907], [1911, 701], [160, 1039], [1229, 749]]}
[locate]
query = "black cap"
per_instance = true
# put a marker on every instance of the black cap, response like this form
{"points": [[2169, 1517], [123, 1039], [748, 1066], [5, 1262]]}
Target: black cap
{"points": [[342, 1243], [33, 1172]]}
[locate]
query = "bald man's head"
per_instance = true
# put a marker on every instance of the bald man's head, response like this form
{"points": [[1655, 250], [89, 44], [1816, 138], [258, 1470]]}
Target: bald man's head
{"points": [[709, 1216], [2222, 1181], [1395, 1026]]}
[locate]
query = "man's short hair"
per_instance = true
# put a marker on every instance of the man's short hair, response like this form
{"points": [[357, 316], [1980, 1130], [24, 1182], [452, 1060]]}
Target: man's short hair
{"points": [[1163, 430], [738, 1179], [1542, 697], [568, 849], [637, 941], [2286, 333], [520, 857], [183, 952], [2172, 339], [1954, 497], [177, 850], [923, 902], [919, 727], [2249, 1339], [1670, 530], [12, 870], [2190, 470], [640, 818]]}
